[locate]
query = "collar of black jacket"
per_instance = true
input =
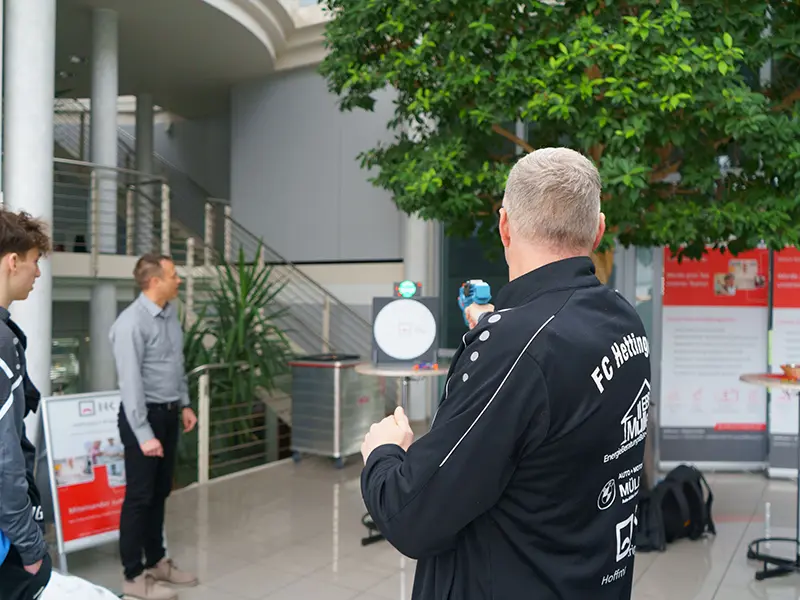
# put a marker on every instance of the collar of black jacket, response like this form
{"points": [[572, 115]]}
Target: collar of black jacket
{"points": [[563, 274], [4, 314]]}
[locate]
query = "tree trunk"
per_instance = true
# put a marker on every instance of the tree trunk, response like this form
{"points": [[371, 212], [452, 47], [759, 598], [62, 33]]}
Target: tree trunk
{"points": [[603, 264]]}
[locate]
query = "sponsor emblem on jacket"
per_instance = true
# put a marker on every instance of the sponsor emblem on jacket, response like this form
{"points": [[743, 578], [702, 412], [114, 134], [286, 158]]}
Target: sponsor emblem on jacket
{"points": [[625, 487], [634, 423], [607, 495], [625, 537]]}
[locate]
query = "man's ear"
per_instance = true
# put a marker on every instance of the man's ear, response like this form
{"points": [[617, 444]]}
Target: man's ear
{"points": [[505, 228], [601, 230], [9, 261]]}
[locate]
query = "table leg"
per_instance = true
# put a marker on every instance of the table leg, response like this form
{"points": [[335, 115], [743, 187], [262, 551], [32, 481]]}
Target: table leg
{"points": [[780, 566], [374, 535]]}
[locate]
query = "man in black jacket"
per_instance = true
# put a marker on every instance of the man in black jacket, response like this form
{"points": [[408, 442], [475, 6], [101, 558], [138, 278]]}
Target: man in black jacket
{"points": [[24, 562], [526, 485]]}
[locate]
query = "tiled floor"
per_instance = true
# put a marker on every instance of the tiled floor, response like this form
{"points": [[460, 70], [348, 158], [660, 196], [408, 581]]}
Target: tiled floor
{"points": [[292, 532]]}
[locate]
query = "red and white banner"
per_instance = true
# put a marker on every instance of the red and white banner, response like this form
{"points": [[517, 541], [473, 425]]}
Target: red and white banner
{"points": [[87, 467], [785, 349], [714, 330]]}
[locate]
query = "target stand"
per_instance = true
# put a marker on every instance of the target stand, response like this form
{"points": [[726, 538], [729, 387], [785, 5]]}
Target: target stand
{"points": [[404, 345]]}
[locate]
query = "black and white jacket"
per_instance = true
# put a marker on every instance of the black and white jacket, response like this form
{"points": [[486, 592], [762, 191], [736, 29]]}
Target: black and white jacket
{"points": [[526, 485], [19, 518]]}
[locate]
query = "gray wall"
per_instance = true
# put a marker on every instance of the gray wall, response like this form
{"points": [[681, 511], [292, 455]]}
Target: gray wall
{"points": [[294, 175], [200, 149]]}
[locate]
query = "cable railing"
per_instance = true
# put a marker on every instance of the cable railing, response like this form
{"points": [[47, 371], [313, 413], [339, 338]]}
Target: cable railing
{"points": [[314, 318], [318, 319], [97, 210], [233, 433], [72, 124]]}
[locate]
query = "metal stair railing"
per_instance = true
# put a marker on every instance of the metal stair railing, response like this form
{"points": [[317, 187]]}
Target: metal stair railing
{"points": [[340, 328], [98, 209], [72, 122], [316, 319], [298, 321]]}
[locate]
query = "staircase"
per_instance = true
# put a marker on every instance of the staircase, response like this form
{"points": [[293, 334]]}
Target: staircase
{"points": [[314, 319]]}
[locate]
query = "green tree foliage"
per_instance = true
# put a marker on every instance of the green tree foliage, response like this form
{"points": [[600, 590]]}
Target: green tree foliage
{"points": [[659, 93]]}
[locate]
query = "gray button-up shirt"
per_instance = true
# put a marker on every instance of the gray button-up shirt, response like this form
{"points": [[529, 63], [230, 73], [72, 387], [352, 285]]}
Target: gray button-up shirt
{"points": [[147, 342]]}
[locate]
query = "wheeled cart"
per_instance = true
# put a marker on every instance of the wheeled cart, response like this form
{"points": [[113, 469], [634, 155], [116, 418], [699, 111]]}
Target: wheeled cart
{"points": [[332, 406]]}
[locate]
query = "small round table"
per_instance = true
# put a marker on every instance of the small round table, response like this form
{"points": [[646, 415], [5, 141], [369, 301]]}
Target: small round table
{"points": [[782, 566], [406, 374]]}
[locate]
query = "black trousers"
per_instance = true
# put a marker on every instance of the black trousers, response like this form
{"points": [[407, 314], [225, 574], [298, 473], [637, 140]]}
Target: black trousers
{"points": [[17, 584], [148, 482]]}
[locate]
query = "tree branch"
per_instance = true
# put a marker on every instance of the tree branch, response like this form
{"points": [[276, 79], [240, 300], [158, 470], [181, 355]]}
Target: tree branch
{"points": [[788, 101], [512, 138], [596, 152], [658, 174]]}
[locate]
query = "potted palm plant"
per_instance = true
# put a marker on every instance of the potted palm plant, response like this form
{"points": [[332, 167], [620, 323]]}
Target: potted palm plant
{"points": [[235, 329]]}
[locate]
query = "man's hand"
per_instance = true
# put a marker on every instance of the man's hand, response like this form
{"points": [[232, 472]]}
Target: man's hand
{"points": [[34, 568], [189, 419], [153, 448], [474, 311], [393, 429]]}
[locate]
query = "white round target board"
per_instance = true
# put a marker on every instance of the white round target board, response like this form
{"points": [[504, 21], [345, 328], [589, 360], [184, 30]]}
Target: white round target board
{"points": [[404, 330]]}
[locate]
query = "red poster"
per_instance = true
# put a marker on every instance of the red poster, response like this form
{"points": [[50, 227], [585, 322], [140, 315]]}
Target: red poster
{"points": [[787, 279], [92, 508], [717, 279], [714, 330], [88, 466]]}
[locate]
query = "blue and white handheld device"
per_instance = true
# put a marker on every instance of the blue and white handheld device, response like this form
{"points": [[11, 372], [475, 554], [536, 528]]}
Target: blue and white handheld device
{"points": [[474, 291]]}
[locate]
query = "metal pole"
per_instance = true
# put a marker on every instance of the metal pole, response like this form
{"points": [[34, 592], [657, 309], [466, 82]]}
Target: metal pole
{"points": [[165, 219], [208, 237], [190, 279], [130, 220], [228, 234], [326, 324], [95, 224], [82, 140], [203, 426]]}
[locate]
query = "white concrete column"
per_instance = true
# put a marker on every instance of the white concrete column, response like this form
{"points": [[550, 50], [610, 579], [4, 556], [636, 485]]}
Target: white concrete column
{"points": [[28, 167], [416, 256], [105, 86], [146, 202]]}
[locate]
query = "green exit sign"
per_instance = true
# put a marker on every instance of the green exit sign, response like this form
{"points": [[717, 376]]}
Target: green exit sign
{"points": [[407, 289]]}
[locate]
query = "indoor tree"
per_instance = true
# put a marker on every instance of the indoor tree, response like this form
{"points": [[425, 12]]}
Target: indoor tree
{"points": [[664, 95]]}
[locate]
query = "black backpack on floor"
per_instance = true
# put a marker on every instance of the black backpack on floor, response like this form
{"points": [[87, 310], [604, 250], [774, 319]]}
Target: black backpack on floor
{"points": [[677, 507]]}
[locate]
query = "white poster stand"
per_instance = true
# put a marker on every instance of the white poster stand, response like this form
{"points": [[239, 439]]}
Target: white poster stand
{"points": [[86, 469], [714, 329]]}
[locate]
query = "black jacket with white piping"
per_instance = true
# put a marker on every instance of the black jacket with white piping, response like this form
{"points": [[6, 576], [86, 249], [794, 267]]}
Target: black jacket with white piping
{"points": [[19, 516], [526, 484]]}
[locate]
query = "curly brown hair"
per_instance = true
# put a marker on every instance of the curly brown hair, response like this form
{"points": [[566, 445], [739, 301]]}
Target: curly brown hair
{"points": [[20, 233]]}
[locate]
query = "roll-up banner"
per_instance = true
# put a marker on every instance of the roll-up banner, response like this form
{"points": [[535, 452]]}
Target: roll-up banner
{"points": [[86, 464], [783, 405], [714, 330]]}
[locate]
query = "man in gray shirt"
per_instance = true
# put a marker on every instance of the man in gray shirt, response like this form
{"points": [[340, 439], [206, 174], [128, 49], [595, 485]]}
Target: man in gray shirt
{"points": [[147, 342]]}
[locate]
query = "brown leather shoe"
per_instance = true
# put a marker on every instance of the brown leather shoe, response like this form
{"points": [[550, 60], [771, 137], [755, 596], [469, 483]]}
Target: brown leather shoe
{"points": [[166, 571], [145, 587]]}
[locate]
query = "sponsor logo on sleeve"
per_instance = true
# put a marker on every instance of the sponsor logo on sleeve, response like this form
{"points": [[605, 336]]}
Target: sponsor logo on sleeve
{"points": [[634, 423], [615, 576], [625, 547], [625, 487], [607, 495]]}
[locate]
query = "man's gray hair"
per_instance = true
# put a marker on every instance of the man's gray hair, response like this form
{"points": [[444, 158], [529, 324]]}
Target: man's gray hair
{"points": [[553, 197]]}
